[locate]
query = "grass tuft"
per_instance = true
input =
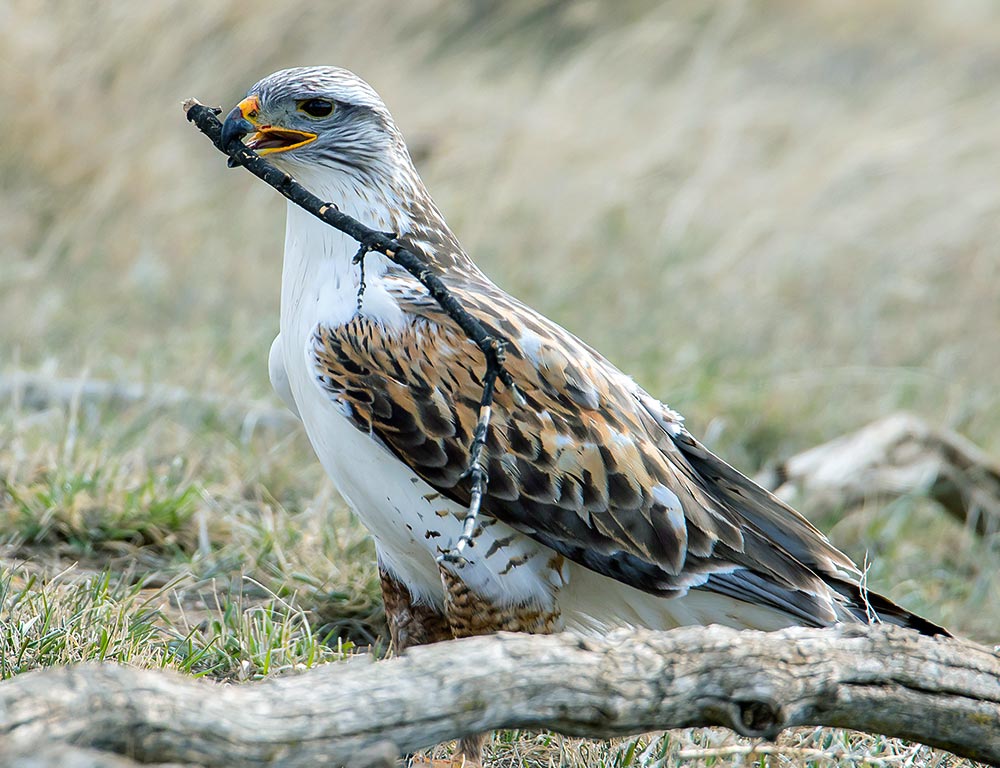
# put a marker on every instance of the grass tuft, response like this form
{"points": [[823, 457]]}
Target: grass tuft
{"points": [[88, 509]]}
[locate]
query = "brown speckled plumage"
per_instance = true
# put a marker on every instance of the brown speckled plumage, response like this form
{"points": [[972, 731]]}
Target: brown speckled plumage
{"points": [[470, 615], [410, 623], [576, 467]]}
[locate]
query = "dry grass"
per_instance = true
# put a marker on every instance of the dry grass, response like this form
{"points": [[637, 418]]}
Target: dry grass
{"points": [[782, 218]]}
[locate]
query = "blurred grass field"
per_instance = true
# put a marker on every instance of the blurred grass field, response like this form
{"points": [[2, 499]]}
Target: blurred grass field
{"points": [[783, 219]]}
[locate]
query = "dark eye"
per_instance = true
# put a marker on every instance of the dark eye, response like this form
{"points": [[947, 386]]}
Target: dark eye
{"points": [[316, 107]]}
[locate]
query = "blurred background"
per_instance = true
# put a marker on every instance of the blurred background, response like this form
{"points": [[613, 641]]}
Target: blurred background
{"points": [[781, 218]]}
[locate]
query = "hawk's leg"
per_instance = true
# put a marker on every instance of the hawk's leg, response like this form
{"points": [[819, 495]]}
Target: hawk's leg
{"points": [[412, 623], [469, 614], [465, 614]]}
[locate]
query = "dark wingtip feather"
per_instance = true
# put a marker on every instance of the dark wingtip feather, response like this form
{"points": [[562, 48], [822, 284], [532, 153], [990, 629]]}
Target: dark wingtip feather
{"points": [[787, 530], [862, 602]]}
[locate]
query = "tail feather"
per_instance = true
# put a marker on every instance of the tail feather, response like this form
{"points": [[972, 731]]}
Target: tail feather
{"points": [[785, 529], [870, 607]]}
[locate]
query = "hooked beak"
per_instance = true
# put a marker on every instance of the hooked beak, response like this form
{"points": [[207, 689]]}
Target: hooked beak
{"points": [[266, 138]]}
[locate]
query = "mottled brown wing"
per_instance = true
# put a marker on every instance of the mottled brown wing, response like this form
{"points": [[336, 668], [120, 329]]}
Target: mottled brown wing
{"points": [[591, 465]]}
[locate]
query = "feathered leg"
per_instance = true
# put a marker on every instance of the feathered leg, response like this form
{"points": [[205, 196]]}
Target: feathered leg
{"points": [[412, 623], [465, 614], [468, 614]]}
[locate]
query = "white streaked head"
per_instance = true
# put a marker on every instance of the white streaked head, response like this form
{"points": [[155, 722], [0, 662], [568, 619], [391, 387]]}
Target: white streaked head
{"points": [[331, 131], [320, 116]]}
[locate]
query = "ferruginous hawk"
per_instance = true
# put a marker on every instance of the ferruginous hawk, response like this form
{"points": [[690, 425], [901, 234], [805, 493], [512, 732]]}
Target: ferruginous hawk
{"points": [[601, 509]]}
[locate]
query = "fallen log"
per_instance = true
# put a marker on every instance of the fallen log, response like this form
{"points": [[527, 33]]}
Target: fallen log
{"points": [[898, 455], [940, 691], [68, 756]]}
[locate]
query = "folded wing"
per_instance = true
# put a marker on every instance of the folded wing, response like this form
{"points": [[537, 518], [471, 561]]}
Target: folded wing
{"points": [[590, 466]]}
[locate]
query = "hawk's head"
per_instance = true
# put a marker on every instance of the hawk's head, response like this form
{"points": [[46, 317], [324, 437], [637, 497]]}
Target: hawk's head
{"points": [[316, 116]]}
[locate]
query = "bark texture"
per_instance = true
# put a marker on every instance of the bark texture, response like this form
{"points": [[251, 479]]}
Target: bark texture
{"points": [[943, 692]]}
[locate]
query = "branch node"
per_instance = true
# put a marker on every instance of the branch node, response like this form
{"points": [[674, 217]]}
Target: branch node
{"points": [[758, 719], [476, 471]]}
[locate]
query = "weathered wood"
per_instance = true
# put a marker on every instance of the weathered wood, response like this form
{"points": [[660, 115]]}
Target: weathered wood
{"points": [[897, 455], [68, 756], [943, 692]]}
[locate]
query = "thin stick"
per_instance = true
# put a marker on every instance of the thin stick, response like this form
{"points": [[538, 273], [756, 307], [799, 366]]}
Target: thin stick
{"points": [[373, 241], [476, 471], [833, 754]]}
